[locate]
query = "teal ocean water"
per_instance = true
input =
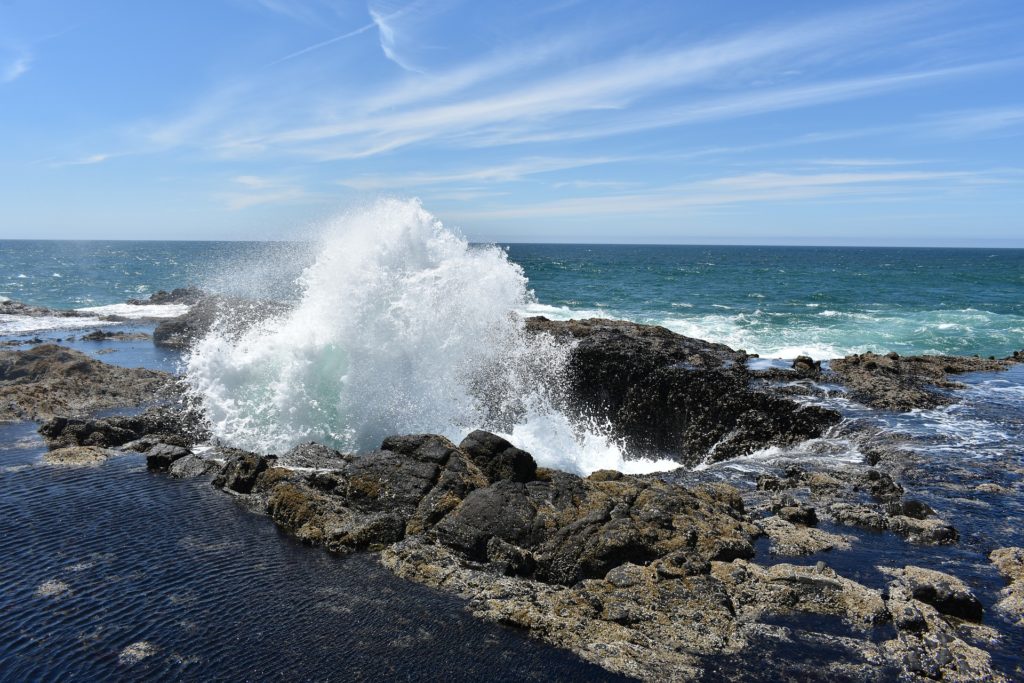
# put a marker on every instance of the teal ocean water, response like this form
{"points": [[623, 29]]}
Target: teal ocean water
{"points": [[775, 301]]}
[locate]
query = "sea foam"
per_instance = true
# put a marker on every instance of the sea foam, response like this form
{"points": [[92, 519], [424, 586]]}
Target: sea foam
{"points": [[401, 327]]}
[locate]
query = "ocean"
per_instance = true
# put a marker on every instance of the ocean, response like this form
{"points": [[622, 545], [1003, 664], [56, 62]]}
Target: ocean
{"points": [[774, 301]]}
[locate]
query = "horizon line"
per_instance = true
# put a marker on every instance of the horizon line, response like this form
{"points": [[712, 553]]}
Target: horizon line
{"points": [[566, 244]]}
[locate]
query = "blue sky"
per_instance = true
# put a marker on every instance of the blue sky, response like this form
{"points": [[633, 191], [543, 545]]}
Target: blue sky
{"points": [[579, 121]]}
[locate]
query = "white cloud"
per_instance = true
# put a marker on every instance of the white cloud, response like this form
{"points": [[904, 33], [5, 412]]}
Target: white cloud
{"points": [[16, 69], [388, 36]]}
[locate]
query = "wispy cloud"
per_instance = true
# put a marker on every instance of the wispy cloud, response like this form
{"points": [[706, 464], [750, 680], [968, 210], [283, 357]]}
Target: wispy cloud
{"points": [[608, 94], [257, 190], [89, 160], [764, 187], [867, 163], [388, 38], [502, 173], [17, 68], [979, 121]]}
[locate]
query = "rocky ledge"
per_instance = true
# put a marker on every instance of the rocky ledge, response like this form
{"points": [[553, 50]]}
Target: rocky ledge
{"points": [[50, 380], [643, 577], [666, 394]]}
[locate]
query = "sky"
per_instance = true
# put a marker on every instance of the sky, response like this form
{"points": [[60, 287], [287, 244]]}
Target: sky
{"points": [[895, 123]]}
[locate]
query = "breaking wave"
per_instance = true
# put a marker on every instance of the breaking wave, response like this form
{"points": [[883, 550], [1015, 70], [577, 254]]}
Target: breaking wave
{"points": [[401, 327]]}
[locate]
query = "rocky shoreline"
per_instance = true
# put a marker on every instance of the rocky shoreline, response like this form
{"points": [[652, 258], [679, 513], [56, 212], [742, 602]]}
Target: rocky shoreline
{"points": [[657, 576]]}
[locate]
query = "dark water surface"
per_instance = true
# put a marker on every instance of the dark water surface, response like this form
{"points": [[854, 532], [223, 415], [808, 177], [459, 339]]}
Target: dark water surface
{"points": [[132, 556]]}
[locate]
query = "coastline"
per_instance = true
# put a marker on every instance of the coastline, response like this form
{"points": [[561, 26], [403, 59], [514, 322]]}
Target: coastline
{"points": [[818, 509]]}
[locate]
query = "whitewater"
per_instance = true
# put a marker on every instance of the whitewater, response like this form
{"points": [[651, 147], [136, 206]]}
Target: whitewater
{"points": [[401, 327]]}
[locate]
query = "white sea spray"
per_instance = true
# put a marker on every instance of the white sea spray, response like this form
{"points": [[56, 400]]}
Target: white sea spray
{"points": [[401, 327]]}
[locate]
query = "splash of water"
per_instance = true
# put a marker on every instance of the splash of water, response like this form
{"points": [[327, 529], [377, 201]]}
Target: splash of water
{"points": [[401, 327]]}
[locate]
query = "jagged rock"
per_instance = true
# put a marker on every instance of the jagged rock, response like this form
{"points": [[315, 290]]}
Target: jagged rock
{"points": [[665, 393], [10, 307], [190, 466], [130, 432], [930, 531], [792, 511], [497, 458], [927, 646], [49, 380], [805, 365], [1010, 563], [105, 335], [784, 588], [241, 472], [864, 516], [179, 295], [946, 593], [313, 455], [162, 455], [790, 539]]}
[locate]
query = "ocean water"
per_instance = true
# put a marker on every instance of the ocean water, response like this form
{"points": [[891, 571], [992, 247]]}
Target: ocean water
{"points": [[774, 301]]}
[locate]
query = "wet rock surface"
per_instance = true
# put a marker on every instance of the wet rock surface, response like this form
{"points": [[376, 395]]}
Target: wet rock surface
{"points": [[644, 577], [894, 382], [669, 394], [1010, 563], [77, 455], [178, 295], [49, 380], [10, 307], [106, 335]]}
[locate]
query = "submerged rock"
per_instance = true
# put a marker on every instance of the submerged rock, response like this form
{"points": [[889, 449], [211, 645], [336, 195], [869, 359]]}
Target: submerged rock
{"points": [[50, 380], [664, 393], [77, 455]]}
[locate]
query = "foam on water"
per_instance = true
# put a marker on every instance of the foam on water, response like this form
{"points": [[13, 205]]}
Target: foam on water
{"points": [[401, 327], [138, 312]]}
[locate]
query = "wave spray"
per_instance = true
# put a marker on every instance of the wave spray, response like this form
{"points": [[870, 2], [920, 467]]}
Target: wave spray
{"points": [[401, 327]]}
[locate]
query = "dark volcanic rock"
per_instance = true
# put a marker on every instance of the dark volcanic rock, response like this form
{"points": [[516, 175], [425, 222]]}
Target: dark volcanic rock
{"points": [[497, 458], [669, 394], [163, 455], [946, 593], [892, 382], [49, 380], [235, 315], [179, 295], [9, 307], [154, 426], [241, 472], [641, 576], [104, 335]]}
